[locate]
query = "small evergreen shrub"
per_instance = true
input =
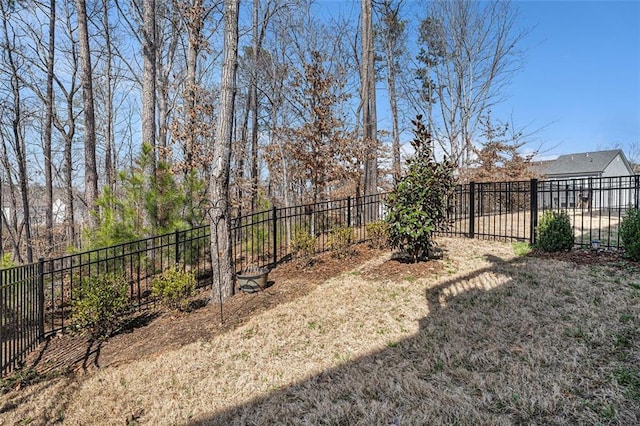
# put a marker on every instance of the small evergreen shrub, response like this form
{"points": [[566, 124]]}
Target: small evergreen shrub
{"points": [[100, 304], [173, 287], [304, 245], [554, 232], [630, 234], [340, 241], [378, 234]]}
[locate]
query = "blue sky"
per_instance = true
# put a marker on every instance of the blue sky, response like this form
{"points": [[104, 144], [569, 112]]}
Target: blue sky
{"points": [[581, 79], [580, 84]]}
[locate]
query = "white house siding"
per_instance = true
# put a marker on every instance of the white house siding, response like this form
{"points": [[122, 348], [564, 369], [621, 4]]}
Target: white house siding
{"points": [[620, 192], [59, 209], [612, 191], [616, 167], [586, 193]]}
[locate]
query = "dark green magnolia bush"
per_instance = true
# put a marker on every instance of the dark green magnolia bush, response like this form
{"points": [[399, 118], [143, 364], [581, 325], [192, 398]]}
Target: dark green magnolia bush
{"points": [[173, 287], [418, 206], [630, 234], [100, 304], [554, 232]]}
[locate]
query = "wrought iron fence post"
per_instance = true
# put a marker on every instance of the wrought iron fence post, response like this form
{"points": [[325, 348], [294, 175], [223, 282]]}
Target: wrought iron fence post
{"points": [[176, 239], [533, 208], [40, 299], [472, 207], [349, 212], [637, 191], [274, 216]]}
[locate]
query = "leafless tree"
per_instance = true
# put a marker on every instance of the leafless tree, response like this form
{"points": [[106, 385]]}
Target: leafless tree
{"points": [[390, 34], [219, 182], [89, 132], [15, 133], [48, 123], [66, 115], [108, 88], [470, 53], [149, 50], [633, 152], [368, 99]]}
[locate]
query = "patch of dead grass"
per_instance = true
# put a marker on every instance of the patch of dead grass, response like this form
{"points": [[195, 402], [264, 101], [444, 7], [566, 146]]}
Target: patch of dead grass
{"points": [[489, 338]]}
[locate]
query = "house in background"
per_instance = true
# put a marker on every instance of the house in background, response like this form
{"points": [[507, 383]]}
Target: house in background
{"points": [[611, 163], [37, 206], [577, 180]]}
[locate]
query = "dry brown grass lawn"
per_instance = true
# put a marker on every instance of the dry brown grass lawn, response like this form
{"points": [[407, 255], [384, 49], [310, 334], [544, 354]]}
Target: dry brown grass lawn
{"points": [[489, 339]]}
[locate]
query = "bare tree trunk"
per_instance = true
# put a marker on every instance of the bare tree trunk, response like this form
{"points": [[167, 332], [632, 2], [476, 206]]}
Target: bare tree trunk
{"points": [[395, 130], [219, 182], [391, 31], [90, 167], [69, 214], [195, 23], [164, 68], [254, 108], [369, 101], [149, 50], [242, 151], [10, 221], [108, 137], [48, 126], [67, 130]]}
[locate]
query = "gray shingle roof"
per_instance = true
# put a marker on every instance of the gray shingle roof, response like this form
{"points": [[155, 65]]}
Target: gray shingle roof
{"points": [[580, 164]]}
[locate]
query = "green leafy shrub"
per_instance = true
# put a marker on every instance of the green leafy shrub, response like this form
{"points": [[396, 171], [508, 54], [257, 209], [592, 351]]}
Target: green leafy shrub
{"points": [[173, 287], [418, 206], [340, 241], [554, 232], [101, 304], [304, 245], [630, 234], [378, 234], [5, 261]]}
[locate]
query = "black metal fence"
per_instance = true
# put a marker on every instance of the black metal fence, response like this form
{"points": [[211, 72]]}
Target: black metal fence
{"points": [[499, 210], [267, 238], [510, 210], [36, 299], [21, 313]]}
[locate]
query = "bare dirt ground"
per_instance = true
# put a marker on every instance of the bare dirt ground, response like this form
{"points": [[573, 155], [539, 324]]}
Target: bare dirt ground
{"points": [[481, 336]]}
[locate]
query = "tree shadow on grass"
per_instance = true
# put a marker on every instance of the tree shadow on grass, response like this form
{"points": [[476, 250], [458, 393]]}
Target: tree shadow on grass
{"points": [[497, 346], [404, 383]]}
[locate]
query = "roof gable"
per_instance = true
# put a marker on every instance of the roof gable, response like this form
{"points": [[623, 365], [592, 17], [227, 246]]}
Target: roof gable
{"points": [[584, 163]]}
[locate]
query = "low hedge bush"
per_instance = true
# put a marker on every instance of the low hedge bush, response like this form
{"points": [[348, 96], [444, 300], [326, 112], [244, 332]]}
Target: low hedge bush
{"points": [[100, 305], [554, 232], [630, 234]]}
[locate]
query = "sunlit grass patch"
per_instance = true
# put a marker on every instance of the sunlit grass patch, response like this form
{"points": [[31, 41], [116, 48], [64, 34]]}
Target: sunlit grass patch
{"points": [[520, 248]]}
